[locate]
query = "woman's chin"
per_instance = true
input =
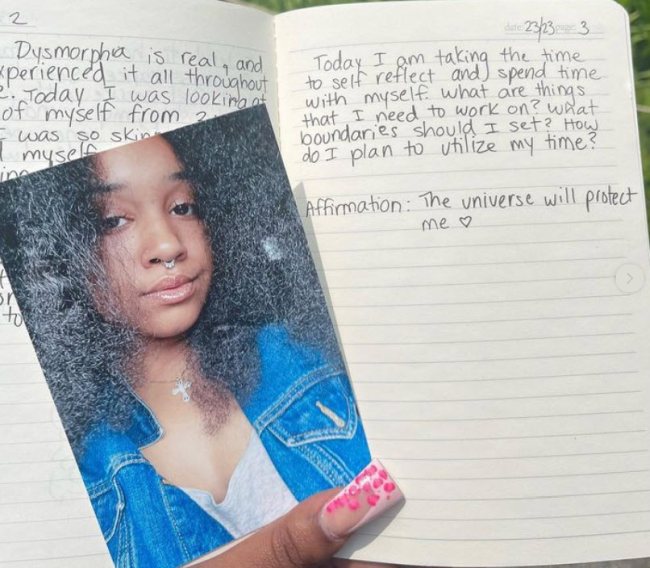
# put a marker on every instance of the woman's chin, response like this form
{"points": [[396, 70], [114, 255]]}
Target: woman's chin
{"points": [[167, 326]]}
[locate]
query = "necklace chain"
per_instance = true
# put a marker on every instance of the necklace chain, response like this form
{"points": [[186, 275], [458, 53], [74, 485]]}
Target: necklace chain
{"points": [[181, 386]]}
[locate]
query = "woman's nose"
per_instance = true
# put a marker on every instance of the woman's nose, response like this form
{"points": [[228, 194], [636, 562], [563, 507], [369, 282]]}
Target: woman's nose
{"points": [[162, 242]]}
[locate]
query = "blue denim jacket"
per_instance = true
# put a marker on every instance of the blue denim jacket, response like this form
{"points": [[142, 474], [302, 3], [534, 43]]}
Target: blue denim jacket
{"points": [[148, 522]]}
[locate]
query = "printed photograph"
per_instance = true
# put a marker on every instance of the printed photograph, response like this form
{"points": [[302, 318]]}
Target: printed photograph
{"points": [[176, 312]]}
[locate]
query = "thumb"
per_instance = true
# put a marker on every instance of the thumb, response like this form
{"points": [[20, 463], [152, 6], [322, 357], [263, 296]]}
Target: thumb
{"points": [[316, 528]]}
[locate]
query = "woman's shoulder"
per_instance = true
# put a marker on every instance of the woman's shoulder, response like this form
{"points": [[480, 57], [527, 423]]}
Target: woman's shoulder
{"points": [[305, 413], [107, 449], [285, 359], [288, 368]]}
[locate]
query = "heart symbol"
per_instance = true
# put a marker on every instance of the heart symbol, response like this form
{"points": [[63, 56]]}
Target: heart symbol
{"points": [[465, 221]]}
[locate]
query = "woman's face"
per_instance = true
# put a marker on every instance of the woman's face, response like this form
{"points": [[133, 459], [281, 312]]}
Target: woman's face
{"points": [[154, 247]]}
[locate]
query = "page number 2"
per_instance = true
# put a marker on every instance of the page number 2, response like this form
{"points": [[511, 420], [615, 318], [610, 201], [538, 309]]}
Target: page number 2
{"points": [[16, 19]]}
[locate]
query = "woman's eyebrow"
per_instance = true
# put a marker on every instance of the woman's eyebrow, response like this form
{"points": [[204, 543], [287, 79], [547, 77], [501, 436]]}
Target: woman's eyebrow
{"points": [[180, 175], [103, 187]]}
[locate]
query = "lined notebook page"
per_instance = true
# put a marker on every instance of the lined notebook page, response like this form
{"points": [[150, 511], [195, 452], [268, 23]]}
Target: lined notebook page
{"points": [[471, 184], [76, 78]]}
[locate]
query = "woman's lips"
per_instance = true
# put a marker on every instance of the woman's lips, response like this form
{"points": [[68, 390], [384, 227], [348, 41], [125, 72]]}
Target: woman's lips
{"points": [[172, 290]]}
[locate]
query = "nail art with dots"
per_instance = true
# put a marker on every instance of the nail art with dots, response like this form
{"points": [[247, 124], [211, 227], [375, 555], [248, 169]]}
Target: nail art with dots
{"points": [[370, 493]]}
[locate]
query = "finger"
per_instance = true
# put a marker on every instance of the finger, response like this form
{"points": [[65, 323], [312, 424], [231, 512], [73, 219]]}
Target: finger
{"points": [[316, 528], [339, 563]]}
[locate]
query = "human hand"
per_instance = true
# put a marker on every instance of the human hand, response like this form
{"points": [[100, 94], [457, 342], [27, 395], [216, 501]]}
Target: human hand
{"points": [[317, 528]]}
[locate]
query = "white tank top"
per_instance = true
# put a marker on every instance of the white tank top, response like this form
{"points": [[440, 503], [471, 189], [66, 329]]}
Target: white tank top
{"points": [[256, 493]]}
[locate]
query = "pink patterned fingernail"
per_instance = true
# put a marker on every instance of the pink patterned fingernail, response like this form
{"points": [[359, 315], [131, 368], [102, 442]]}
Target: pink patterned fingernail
{"points": [[371, 493], [372, 499]]}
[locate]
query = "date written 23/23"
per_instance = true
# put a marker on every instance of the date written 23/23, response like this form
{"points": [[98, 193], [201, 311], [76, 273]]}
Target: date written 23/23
{"points": [[546, 27]]}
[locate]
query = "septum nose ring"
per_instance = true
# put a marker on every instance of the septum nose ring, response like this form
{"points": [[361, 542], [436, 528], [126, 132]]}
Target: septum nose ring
{"points": [[169, 264]]}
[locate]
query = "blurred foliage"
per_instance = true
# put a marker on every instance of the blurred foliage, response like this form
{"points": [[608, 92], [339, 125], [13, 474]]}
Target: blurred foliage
{"points": [[639, 11], [284, 5]]}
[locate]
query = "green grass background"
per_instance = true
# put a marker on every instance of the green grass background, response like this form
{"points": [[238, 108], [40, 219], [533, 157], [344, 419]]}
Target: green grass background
{"points": [[639, 11]]}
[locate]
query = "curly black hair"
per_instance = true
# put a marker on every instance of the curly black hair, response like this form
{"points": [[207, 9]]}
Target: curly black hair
{"points": [[49, 243]]}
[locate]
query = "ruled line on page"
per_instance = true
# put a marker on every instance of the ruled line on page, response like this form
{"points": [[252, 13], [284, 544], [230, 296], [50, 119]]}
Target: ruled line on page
{"points": [[473, 245], [465, 264], [418, 400], [515, 477], [48, 501], [418, 230], [464, 322], [493, 359], [503, 152], [93, 536], [496, 152], [517, 457], [35, 462], [499, 418], [320, 220], [23, 423], [424, 209], [422, 61], [28, 403], [384, 534], [405, 517], [495, 340], [454, 189], [511, 378], [529, 497], [480, 302], [44, 480], [380, 104], [458, 171], [494, 438], [431, 81], [54, 557], [19, 383], [90, 518]]}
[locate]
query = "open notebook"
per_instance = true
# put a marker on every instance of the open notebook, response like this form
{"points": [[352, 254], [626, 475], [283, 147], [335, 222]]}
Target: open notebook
{"points": [[469, 177]]}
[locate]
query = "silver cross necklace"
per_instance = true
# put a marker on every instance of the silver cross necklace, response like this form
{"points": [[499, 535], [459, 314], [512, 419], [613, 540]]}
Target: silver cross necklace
{"points": [[182, 387]]}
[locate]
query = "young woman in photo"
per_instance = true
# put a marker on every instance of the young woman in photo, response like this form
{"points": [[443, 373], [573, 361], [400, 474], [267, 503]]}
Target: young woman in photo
{"points": [[176, 313]]}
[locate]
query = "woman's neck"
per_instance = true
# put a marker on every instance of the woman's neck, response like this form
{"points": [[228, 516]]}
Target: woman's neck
{"points": [[166, 376], [169, 379], [164, 360]]}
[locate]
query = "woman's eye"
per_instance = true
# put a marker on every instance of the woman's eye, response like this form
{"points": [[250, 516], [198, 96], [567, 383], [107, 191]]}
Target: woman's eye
{"points": [[184, 209], [113, 222]]}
